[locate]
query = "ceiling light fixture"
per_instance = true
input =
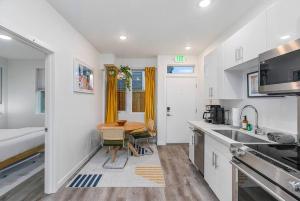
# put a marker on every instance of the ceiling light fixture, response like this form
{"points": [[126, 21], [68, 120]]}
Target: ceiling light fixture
{"points": [[188, 47], [123, 37], [285, 37], [204, 3], [5, 37]]}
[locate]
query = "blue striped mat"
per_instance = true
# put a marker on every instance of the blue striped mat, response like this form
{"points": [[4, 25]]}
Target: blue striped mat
{"points": [[85, 181]]}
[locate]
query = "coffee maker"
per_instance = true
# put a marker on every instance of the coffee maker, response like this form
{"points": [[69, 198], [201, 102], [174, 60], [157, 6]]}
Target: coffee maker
{"points": [[214, 114]]}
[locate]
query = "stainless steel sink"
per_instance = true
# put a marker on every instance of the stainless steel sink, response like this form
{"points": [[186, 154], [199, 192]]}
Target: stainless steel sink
{"points": [[239, 136]]}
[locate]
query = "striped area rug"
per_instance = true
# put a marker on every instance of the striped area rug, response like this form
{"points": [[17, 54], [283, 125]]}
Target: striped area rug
{"points": [[151, 172], [85, 181]]}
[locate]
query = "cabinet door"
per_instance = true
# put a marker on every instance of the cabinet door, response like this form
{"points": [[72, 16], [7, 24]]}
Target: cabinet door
{"points": [[231, 47], [209, 169], [253, 39], [247, 43], [191, 145], [283, 22], [211, 74], [223, 174]]}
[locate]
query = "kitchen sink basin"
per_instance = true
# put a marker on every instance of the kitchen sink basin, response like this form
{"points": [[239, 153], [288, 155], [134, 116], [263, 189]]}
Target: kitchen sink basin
{"points": [[239, 136]]}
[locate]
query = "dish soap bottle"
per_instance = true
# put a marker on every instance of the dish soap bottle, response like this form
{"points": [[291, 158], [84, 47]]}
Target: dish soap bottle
{"points": [[245, 123]]}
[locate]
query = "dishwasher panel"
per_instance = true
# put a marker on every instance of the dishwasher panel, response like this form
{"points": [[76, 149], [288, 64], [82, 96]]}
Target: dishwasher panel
{"points": [[199, 150]]}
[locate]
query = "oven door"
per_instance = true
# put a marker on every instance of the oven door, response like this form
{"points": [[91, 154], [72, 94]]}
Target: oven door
{"points": [[279, 70], [248, 185]]}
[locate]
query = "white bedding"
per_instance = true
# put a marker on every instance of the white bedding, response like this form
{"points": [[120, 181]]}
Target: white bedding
{"points": [[16, 141]]}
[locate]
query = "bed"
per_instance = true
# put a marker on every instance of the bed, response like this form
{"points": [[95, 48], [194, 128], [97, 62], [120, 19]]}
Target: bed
{"points": [[18, 144]]}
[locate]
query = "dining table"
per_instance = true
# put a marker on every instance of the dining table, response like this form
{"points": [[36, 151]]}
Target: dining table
{"points": [[128, 128]]}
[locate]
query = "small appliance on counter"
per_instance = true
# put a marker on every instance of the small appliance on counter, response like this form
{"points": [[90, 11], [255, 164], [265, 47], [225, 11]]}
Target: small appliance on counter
{"points": [[235, 117], [214, 114]]}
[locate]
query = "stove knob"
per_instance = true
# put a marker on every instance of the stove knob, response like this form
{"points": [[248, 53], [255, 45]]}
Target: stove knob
{"points": [[240, 153], [295, 185]]}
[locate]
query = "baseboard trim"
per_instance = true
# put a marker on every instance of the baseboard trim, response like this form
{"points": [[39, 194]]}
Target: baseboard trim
{"points": [[62, 181]]}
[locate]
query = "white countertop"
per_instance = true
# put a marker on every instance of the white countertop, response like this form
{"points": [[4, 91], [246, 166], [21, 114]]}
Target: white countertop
{"points": [[208, 129]]}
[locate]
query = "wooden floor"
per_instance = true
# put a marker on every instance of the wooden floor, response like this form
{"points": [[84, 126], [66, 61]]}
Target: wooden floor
{"points": [[183, 183]]}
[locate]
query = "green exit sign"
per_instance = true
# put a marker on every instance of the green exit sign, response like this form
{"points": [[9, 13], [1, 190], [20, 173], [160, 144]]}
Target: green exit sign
{"points": [[180, 59]]}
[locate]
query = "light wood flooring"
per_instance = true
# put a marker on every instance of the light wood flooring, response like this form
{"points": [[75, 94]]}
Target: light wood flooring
{"points": [[183, 183]]}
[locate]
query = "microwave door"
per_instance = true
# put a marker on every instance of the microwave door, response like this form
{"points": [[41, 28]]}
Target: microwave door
{"points": [[280, 73]]}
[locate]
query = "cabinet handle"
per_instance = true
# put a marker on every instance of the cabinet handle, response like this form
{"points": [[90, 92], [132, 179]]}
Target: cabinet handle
{"points": [[193, 139], [213, 159], [241, 53], [216, 165], [236, 54], [212, 92]]}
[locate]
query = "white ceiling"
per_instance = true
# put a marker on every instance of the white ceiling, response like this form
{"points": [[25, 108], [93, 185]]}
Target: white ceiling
{"points": [[14, 49], [153, 26]]}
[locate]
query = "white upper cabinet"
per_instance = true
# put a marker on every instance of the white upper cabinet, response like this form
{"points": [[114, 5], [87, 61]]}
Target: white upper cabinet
{"points": [[219, 84], [247, 43], [232, 47], [283, 23], [212, 74]]}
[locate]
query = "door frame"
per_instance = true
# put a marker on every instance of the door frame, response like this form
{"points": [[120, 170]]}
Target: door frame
{"points": [[194, 76], [49, 170]]}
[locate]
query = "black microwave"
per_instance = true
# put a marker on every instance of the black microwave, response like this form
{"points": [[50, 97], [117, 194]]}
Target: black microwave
{"points": [[279, 70]]}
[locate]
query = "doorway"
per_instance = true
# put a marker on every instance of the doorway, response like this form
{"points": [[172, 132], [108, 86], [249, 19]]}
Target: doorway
{"points": [[26, 91], [181, 107]]}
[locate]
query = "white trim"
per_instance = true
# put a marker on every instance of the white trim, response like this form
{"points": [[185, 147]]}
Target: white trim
{"points": [[50, 171], [103, 71], [62, 181]]}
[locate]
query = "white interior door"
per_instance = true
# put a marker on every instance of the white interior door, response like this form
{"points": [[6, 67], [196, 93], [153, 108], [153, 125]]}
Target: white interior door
{"points": [[181, 107]]}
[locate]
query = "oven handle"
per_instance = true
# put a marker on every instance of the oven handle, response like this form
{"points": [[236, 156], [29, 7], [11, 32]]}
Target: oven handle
{"points": [[268, 186]]}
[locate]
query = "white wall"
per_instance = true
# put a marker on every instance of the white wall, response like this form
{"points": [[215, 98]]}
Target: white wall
{"points": [[274, 113], [21, 94], [134, 63], [162, 62], [75, 115]]}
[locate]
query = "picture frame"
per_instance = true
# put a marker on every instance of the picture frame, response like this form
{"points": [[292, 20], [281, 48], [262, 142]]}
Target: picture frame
{"points": [[252, 86], [83, 77]]}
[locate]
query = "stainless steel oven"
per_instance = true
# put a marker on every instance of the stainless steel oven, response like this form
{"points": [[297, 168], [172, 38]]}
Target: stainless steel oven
{"points": [[279, 70], [249, 185]]}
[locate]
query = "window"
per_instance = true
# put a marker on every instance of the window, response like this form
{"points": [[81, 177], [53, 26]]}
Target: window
{"points": [[121, 95], [41, 101], [180, 69], [136, 96], [40, 91], [138, 91]]}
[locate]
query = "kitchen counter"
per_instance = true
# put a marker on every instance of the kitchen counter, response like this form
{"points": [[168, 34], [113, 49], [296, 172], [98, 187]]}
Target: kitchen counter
{"points": [[208, 129]]}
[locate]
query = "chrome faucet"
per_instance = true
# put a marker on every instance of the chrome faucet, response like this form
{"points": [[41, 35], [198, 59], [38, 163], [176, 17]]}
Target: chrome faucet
{"points": [[257, 130]]}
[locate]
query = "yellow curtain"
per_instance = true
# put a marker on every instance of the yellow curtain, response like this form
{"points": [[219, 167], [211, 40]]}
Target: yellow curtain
{"points": [[111, 95], [149, 94]]}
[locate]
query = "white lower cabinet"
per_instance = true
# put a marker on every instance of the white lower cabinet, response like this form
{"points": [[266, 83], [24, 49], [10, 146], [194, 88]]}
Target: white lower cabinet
{"points": [[217, 169], [191, 145]]}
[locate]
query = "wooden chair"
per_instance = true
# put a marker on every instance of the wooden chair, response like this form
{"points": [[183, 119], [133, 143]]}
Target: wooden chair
{"points": [[114, 139], [144, 135]]}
